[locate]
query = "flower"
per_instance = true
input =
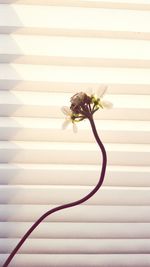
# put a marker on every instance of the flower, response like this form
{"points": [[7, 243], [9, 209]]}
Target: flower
{"points": [[84, 105], [70, 118], [97, 97]]}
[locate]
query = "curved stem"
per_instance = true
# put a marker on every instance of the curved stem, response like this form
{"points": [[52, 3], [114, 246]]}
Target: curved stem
{"points": [[75, 203]]}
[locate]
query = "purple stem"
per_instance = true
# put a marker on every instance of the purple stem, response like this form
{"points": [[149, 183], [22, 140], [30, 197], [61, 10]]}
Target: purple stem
{"points": [[72, 204]]}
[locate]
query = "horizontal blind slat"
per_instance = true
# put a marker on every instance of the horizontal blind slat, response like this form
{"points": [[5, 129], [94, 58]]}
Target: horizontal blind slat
{"points": [[97, 22], [77, 230], [74, 153], [45, 129], [29, 77], [83, 213], [77, 246], [124, 4], [74, 51], [52, 174], [63, 194], [65, 260]]}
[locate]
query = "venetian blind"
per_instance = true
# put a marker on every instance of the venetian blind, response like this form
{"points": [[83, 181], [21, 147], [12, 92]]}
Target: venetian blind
{"points": [[50, 50]]}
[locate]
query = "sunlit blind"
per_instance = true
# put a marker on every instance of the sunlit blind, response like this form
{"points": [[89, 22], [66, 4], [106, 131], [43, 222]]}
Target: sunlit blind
{"points": [[50, 50]]}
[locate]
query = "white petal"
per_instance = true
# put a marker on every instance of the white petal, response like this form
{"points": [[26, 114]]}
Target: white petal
{"points": [[101, 90], [65, 124], [66, 111], [106, 104], [75, 128], [89, 91]]}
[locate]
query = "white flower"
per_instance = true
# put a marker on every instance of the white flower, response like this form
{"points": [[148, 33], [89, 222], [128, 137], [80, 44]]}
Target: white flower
{"points": [[97, 96], [69, 119], [84, 105]]}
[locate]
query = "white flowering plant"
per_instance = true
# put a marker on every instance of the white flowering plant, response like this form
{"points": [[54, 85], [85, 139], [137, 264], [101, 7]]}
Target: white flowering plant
{"points": [[83, 105]]}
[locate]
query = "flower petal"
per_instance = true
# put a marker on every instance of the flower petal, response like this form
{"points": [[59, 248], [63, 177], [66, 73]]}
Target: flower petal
{"points": [[89, 91], [66, 110], [75, 128], [106, 104], [101, 90], [65, 124]]}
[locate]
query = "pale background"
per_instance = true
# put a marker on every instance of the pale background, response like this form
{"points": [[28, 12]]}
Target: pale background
{"points": [[50, 50]]}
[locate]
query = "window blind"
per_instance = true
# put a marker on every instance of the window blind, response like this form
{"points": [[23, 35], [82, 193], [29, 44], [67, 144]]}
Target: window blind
{"points": [[49, 50]]}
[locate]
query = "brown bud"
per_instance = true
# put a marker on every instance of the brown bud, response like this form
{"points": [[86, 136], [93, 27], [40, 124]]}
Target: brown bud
{"points": [[78, 101]]}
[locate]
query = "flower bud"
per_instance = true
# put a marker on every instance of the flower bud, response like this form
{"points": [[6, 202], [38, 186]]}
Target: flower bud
{"points": [[78, 101]]}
